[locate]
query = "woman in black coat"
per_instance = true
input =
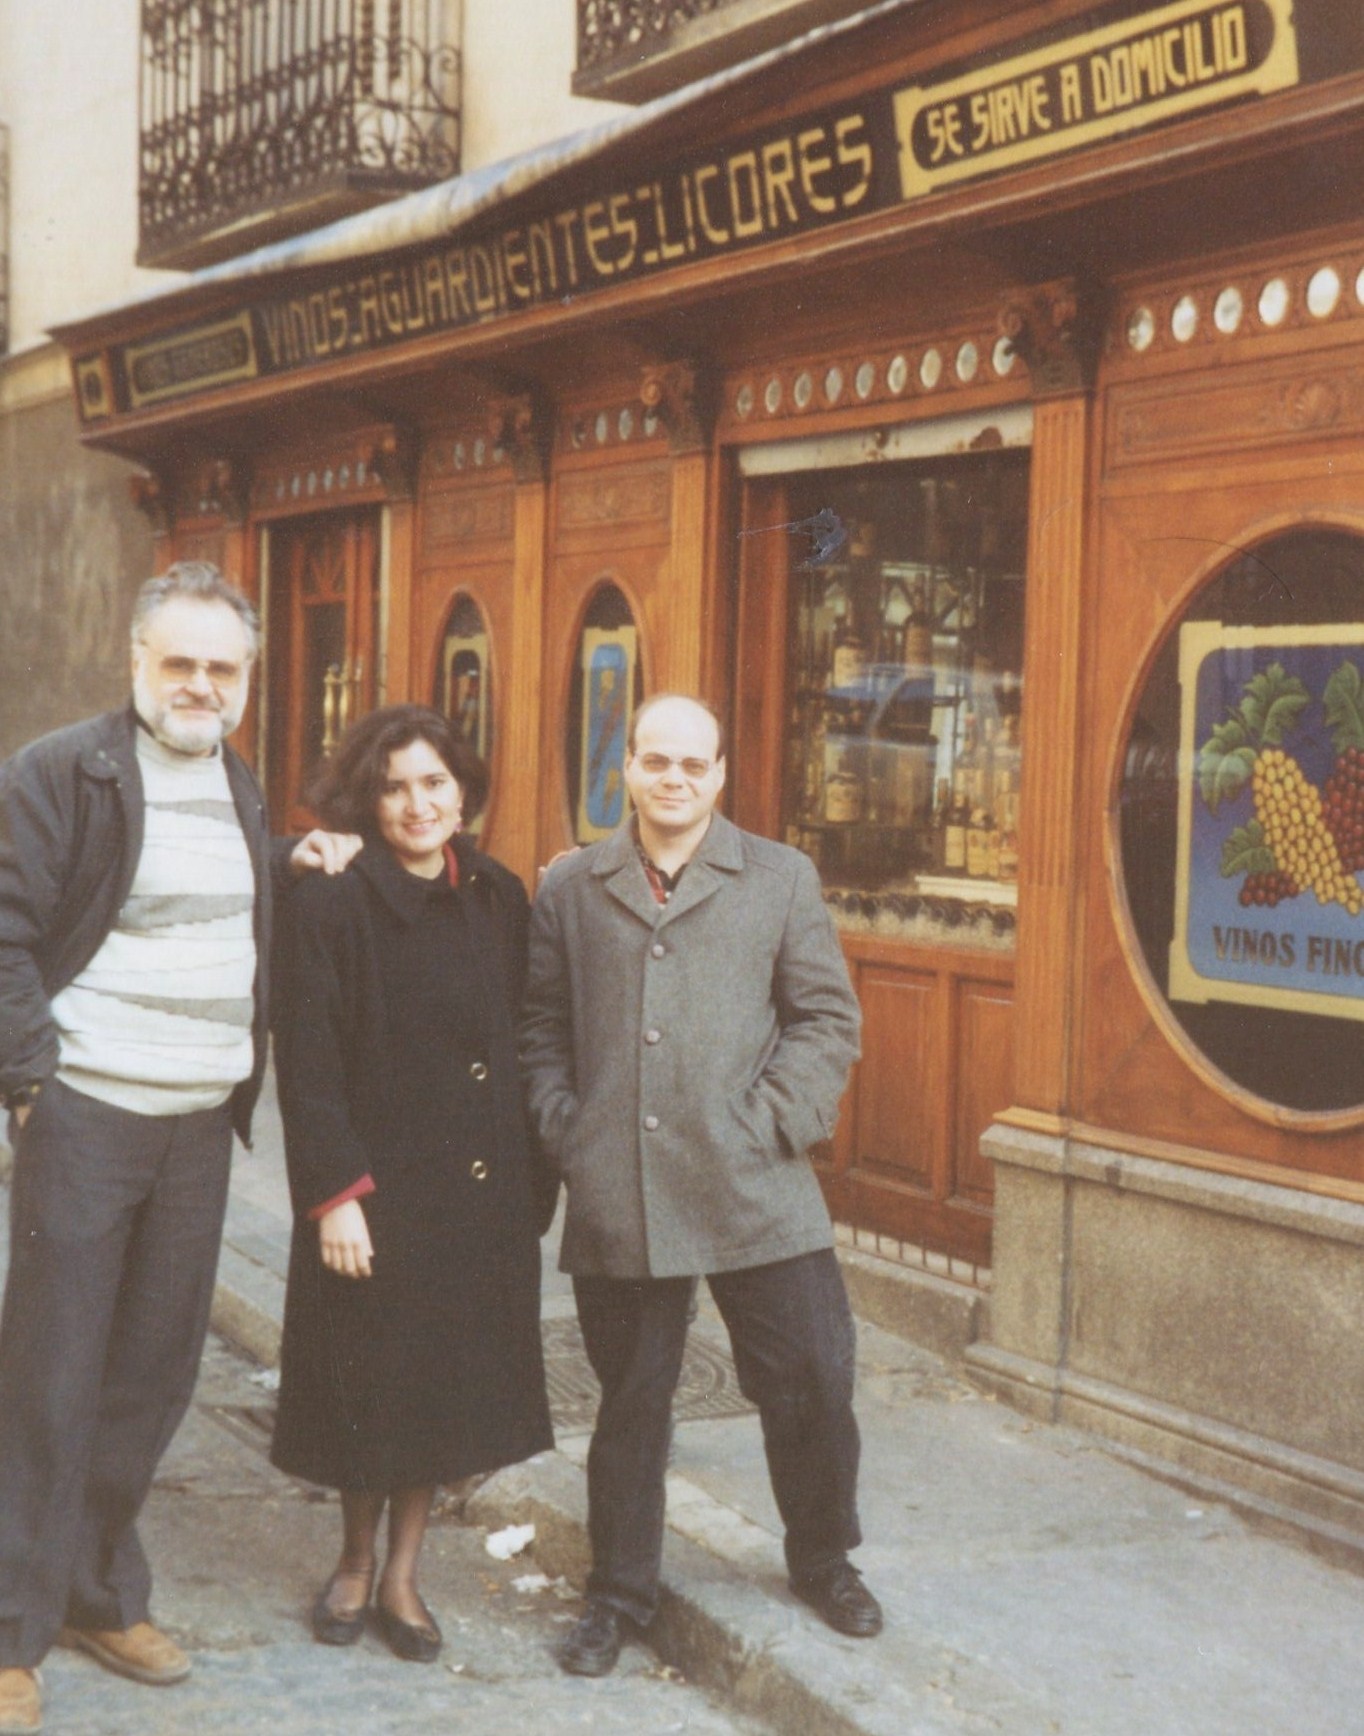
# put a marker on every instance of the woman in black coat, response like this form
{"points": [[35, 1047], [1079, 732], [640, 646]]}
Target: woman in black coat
{"points": [[411, 1353]]}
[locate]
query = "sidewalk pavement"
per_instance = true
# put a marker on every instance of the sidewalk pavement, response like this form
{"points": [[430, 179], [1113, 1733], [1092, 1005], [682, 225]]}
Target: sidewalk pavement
{"points": [[1033, 1584]]}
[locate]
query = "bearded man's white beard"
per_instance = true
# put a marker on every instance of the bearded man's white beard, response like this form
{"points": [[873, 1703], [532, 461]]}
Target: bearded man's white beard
{"points": [[185, 734]]}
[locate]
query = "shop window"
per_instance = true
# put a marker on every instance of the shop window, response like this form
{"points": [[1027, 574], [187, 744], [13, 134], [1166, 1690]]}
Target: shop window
{"points": [[1241, 822], [464, 689], [606, 685], [904, 714]]}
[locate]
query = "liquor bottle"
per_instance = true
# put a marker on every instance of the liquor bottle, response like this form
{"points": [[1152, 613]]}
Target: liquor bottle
{"points": [[848, 664], [815, 755], [1006, 762], [978, 843], [958, 819], [1008, 840], [844, 793], [917, 652], [938, 844], [968, 760]]}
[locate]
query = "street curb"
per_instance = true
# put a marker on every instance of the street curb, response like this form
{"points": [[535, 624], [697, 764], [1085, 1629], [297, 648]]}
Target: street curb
{"points": [[740, 1635], [248, 1306]]}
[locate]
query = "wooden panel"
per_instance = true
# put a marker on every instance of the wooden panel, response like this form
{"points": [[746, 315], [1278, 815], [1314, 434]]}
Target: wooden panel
{"points": [[936, 1068], [1273, 404], [984, 1083], [1051, 715], [755, 776], [896, 1113], [611, 521], [1133, 1072]]}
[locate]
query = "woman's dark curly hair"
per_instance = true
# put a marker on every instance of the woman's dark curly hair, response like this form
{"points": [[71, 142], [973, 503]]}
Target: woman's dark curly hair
{"points": [[345, 794]]}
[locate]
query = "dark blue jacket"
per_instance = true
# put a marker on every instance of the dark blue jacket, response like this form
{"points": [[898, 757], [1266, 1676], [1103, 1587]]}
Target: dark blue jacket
{"points": [[71, 827]]}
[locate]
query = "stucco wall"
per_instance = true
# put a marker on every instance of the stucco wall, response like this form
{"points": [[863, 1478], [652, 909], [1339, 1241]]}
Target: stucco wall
{"points": [[73, 550]]}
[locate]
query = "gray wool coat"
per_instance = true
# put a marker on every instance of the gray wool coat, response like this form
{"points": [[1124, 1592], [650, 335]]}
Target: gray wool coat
{"points": [[683, 1058]]}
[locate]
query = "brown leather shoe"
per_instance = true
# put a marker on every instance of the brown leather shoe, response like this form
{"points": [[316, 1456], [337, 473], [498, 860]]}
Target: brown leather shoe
{"points": [[142, 1653], [21, 1702]]}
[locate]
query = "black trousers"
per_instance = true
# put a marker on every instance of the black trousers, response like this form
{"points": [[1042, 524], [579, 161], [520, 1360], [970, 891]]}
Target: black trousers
{"points": [[115, 1222], [791, 1331]]}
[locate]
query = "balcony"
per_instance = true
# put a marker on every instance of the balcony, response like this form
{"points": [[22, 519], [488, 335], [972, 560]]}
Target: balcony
{"points": [[631, 50], [264, 118]]}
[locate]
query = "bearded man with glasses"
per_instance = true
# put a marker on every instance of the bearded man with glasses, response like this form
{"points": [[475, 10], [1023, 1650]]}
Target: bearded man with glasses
{"points": [[688, 1030], [135, 893]]}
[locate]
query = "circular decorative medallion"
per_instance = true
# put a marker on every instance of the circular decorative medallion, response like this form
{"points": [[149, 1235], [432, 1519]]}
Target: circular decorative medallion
{"points": [[833, 385], [772, 395], [1003, 356], [968, 360], [459, 455], [480, 450], [1323, 292], [930, 369], [1141, 328], [864, 380], [602, 428], [625, 423], [744, 400], [1184, 319], [803, 391], [1274, 302], [897, 374], [1227, 310]]}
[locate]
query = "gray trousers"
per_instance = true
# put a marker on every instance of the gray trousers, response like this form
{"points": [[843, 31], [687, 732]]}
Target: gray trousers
{"points": [[115, 1223]]}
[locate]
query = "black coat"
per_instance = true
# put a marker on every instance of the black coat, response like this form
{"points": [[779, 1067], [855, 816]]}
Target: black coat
{"points": [[71, 830], [396, 1056]]}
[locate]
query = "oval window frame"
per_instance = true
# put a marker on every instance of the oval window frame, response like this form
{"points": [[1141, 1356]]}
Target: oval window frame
{"points": [[571, 692], [461, 595], [1265, 1110]]}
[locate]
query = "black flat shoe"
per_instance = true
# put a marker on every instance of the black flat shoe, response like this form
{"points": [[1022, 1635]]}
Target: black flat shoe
{"points": [[839, 1596], [339, 1627], [414, 1643]]}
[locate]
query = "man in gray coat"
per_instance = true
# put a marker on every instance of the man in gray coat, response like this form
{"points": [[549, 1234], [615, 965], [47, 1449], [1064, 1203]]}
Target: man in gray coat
{"points": [[688, 1032]]}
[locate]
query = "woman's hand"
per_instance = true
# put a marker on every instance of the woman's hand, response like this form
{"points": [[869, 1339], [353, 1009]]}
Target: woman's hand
{"points": [[344, 1235]]}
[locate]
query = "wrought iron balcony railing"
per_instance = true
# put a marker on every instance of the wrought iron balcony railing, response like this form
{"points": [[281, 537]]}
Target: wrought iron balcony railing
{"points": [[635, 49], [261, 118]]}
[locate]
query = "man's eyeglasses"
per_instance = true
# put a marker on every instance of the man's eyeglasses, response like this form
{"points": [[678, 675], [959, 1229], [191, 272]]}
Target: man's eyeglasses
{"points": [[184, 668], [653, 765]]}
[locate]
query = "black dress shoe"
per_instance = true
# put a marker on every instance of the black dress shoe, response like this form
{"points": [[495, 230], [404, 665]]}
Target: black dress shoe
{"points": [[594, 1645], [339, 1627], [414, 1642], [839, 1596]]}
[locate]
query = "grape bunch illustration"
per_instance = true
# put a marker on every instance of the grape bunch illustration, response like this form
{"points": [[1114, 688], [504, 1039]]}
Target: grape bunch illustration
{"points": [[1301, 839]]}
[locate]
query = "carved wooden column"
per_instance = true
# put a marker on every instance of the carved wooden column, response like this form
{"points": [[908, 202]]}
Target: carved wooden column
{"points": [[1056, 331], [524, 427], [393, 459], [674, 392]]}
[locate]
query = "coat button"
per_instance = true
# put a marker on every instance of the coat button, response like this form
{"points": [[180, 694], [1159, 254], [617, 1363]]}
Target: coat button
{"points": [[478, 1071], [651, 1124], [478, 1169], [653, 1037], [658, 949]]}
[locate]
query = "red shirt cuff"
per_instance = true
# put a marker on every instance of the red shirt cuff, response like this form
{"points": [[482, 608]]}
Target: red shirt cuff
{"points": [[356, 1191]]}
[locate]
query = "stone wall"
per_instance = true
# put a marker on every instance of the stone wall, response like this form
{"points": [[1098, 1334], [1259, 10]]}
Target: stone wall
{"points": [[1206, 1324]]}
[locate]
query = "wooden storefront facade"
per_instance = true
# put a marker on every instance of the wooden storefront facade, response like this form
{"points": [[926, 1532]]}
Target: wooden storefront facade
{"points": [[1010, 327]]}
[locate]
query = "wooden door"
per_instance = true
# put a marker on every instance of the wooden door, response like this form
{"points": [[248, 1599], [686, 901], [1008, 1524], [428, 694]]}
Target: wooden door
{"points": [[323, 642]]}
